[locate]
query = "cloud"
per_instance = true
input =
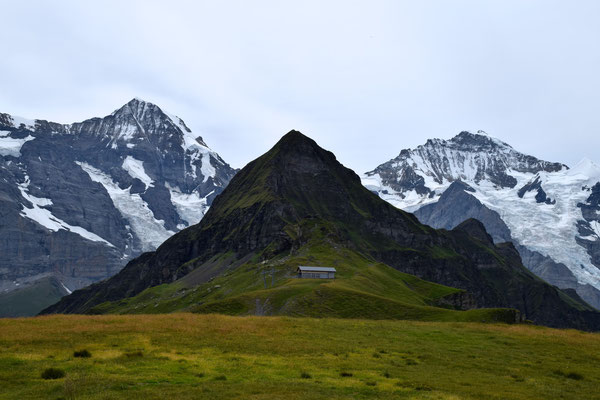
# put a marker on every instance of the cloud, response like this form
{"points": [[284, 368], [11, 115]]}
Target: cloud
{"points": [[365, 79]]}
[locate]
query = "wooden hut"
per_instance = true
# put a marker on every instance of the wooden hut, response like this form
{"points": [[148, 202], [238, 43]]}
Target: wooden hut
{"points": [[316, 272]]}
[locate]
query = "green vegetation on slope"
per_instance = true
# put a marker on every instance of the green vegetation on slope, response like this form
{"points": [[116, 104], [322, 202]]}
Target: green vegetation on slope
{"points": [[363, 288], [190, 356], [32, 299]]}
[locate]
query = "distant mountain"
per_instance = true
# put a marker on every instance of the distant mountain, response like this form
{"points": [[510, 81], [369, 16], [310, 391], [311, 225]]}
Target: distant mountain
{"points": [[551, 212], [78, 201], [297, 205]]}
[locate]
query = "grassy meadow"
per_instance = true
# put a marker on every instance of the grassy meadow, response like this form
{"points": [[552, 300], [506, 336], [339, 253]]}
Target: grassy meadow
{"points": [[191, 356]]}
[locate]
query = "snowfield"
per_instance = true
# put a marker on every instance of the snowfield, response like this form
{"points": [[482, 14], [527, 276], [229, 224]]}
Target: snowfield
{"points": [[133, 208]]}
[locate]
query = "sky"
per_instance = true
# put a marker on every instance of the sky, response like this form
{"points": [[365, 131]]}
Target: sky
{"points": [[365, 79]]}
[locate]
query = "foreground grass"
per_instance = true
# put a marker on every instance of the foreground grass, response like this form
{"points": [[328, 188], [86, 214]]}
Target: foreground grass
{"points": [[188, 356]]}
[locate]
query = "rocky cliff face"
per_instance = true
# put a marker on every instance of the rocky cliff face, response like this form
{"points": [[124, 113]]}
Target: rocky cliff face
{"points": [[548, 210], [297, 192], [79, 200]]}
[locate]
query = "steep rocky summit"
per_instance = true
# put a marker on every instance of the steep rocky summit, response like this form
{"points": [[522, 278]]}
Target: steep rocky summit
{"points": [[78, 201]]}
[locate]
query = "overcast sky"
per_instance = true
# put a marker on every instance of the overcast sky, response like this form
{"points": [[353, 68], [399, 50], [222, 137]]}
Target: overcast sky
{"points": [[365, 79]]}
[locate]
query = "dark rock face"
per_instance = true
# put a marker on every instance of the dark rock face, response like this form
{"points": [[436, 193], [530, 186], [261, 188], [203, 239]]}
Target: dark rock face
{"points": [[536, 185], [456, 204], [274, 205], [78, 201]]}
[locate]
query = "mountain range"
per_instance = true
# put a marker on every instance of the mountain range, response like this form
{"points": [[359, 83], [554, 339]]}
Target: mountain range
{"points": [[297, 205], [77, 201], [549, 211], [81, 200]]}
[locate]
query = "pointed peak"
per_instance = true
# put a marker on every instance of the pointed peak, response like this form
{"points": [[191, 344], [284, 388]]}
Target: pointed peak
{"points": [[136, 103], [138, 108], [294, 135], [480, 137], [473, 227], [137, 100], [295, 138]]}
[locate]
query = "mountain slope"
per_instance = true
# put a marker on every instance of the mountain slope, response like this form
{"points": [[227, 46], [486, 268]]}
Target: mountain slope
{"points": [[298, 204], [548, 209], [77, 201], [457, 203]]}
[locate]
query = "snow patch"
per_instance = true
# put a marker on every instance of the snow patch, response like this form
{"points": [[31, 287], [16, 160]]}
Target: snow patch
{"points": [[207, 168], [190, 207], [151, 232], [45, 218], [135, 169], [195, 150], [66, 288], [12, 147]]}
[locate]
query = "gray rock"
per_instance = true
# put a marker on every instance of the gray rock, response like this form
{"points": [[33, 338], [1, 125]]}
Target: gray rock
{"points": [[149, 164]]}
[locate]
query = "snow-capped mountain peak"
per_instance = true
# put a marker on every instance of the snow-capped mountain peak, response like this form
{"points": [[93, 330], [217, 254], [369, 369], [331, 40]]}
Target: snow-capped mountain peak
{"points": [[111, 187], [549, 208], [479, 139], [426, 171]]}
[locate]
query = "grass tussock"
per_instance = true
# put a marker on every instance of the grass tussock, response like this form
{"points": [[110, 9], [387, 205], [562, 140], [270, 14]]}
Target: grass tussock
{"points": [[569, 375], [53, 373], [82, 354]]}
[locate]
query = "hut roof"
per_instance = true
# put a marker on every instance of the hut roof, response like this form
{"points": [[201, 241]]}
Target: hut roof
{"points": [[316, 269]]}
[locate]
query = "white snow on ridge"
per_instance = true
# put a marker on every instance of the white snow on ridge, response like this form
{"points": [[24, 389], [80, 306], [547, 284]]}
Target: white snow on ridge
{"points": [[195, 150], [151, 231], [12, 147], [18, 121], [407, 201], [45, 218], [135, 169], [207, 168], [190, 207]]}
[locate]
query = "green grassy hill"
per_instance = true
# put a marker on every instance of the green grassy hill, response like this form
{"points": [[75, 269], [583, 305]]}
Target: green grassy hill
{"points": [[190, 356], [363, 288]]}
